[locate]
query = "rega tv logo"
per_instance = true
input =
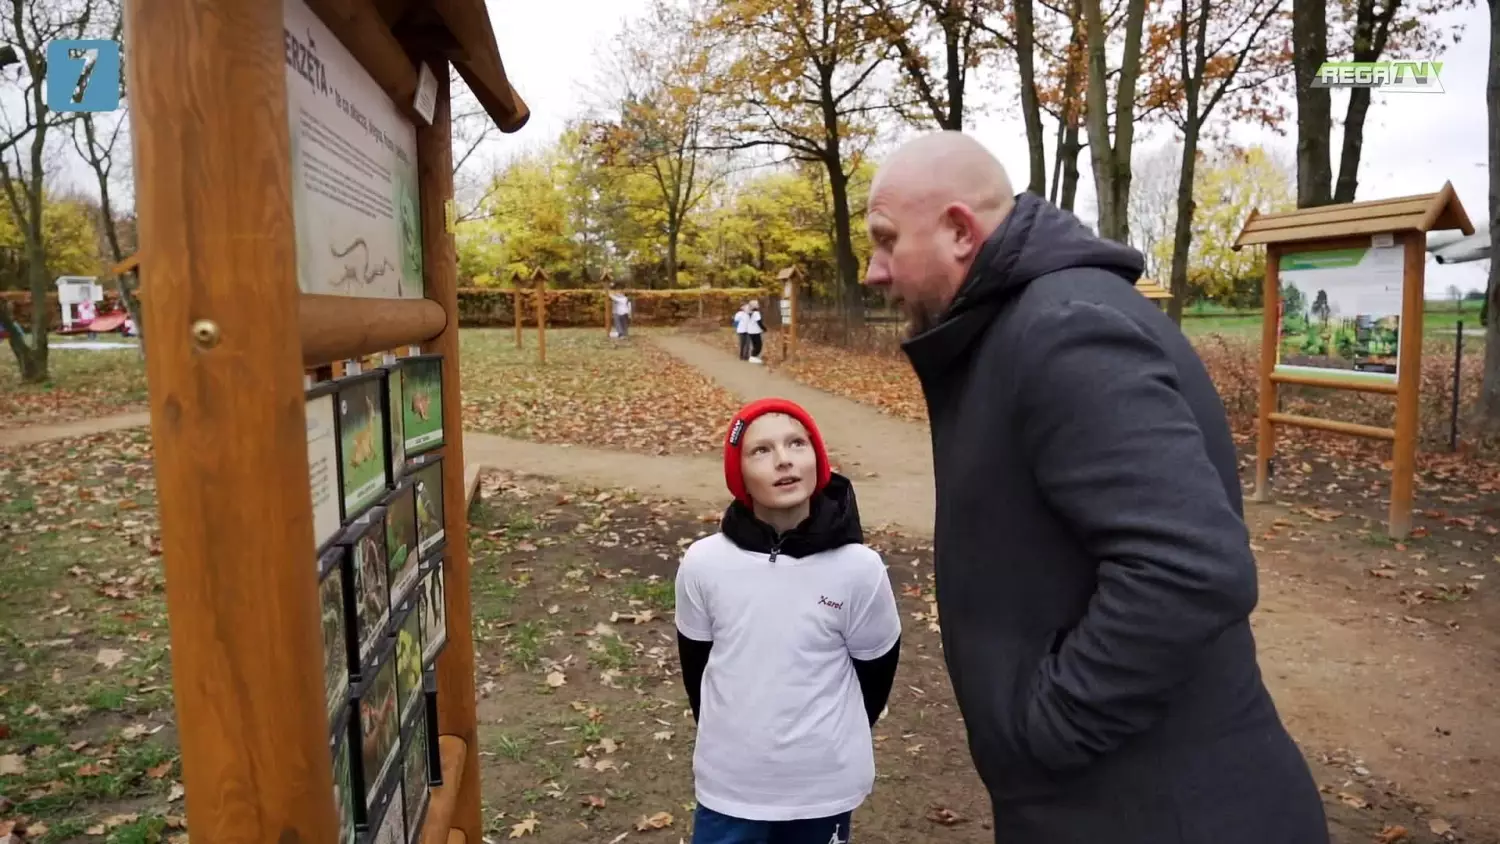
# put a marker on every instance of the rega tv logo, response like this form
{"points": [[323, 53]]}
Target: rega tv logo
{"points": [[1395, 77], [83, 75]]}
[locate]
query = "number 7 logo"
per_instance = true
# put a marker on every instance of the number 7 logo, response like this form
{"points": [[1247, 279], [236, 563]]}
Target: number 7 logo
{"points": [[70, 70]]}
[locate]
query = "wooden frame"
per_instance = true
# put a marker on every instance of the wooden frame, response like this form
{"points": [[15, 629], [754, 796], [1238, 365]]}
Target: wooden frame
{"points": [[792, 279], [1402, 221], [231, 337]]}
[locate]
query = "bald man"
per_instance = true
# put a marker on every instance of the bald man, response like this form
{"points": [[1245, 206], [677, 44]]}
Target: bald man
{"points": [[1094, 573]]}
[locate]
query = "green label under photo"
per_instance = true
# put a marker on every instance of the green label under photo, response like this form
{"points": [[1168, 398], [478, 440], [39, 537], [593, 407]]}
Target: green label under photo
{"points": [[362, 439], [422, 403]]}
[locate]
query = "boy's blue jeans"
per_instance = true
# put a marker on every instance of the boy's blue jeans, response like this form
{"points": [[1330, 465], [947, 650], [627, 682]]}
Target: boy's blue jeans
{"points": [[710, 827]]}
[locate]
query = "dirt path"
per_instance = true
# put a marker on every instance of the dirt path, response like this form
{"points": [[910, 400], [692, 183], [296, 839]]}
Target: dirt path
{"points": [[33, 434], [889, 459]]}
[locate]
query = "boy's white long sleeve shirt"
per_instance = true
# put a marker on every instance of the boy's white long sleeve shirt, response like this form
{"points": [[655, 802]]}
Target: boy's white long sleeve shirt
{"points": [[783, 733]]}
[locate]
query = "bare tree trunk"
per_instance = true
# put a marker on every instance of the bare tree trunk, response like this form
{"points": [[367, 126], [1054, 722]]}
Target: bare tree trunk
{"points": [[1314, 106], [1354, 141], [1182, 234], [1031, 108], [1489, 394], [851, 296], [1071, 149], [1111, 158]]}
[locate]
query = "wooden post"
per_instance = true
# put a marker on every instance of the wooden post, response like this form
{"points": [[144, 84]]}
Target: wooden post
{"points": [[227, 417], [515, 306], [1408, 384], [455, 666], [1270, 337], [541, 318], [796, 299]]}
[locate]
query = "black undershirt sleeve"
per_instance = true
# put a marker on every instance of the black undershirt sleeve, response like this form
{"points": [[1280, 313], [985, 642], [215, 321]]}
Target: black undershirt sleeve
{"points": [[694, 657], [876, 676]]}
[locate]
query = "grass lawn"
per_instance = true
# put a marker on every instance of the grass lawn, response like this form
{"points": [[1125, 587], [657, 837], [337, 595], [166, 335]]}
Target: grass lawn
{"points": [[1438, 321], [591, 391], [87, 746], [83, 384]]}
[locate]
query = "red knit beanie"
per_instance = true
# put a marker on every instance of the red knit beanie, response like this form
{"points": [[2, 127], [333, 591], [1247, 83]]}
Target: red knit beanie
{"points": [[733, 474]]}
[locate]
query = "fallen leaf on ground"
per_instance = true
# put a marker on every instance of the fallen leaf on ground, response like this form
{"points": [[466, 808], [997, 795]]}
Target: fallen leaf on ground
{"points": [[594, 801], [109, 657], [1353, 800], [945, 816], [176, 793], [662, 735], [1391, 835], [159, 771], [12, 765], [660, 820], [1439, 826], [556, 679], [525, 827]]}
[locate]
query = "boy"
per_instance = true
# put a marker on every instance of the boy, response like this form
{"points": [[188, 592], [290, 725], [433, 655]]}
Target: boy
{"points": [[740, 334], [620, 305], [789, 636], [753, 331]]}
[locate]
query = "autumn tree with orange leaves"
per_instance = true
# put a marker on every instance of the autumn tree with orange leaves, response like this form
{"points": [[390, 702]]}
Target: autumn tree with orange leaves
{"points": [[801, 77], [960, 32], [1228, 56]]}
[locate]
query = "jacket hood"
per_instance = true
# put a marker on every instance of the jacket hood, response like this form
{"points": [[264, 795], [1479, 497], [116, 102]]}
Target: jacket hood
{"points": [[1036, 238], [832, 523]]}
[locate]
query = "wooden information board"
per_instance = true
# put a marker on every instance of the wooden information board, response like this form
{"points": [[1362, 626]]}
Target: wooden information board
{"points": [[1343, 309], [294, 163]]}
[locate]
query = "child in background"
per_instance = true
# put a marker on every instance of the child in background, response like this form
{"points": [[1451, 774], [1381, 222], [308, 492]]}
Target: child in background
{"points": [[620, 304], [755, 329], [789, 637], [740, 334]]}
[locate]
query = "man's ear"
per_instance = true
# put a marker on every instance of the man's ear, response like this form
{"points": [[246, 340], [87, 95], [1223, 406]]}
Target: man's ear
{"points": [[966, 240]]}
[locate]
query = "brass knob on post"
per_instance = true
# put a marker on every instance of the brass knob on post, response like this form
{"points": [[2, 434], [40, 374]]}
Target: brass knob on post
{"points": [[206, 333]]}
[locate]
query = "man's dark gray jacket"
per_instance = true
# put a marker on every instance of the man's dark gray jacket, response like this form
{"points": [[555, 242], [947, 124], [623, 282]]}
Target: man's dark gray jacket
{"points": [[1094, 574]]}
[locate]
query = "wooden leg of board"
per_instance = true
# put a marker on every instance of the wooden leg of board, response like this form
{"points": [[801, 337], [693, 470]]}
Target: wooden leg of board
{"points": [[208, 91], [457, 837], [455, 666], [438, 827]]}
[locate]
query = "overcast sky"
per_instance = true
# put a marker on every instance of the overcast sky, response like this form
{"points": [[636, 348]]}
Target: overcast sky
{"points": [[1413, 142]]}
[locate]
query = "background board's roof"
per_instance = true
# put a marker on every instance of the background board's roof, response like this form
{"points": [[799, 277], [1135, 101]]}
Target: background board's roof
{"points": [[1152, 289], [1422, 213]]}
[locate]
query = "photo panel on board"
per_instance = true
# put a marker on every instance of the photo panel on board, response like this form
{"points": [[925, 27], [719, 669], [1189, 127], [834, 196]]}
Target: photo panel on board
{"points": [[402, 557], [323, 462], [409, 659], [434, 752], [364, 467], [367, 593], [351, 812], [377, 711], [415, 774], [422, 403], [395, 417], [427, 478], [336, 653], [432, 608], [388, 818]]}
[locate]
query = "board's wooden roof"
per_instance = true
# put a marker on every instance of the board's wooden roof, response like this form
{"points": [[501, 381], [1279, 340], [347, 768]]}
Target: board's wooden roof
{"points": [[1152, 289], [389, 37], [1426, 212]]}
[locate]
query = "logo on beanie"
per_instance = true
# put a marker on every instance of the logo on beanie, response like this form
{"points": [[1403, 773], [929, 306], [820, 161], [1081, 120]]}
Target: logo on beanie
{"points": [[736, 431]]}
